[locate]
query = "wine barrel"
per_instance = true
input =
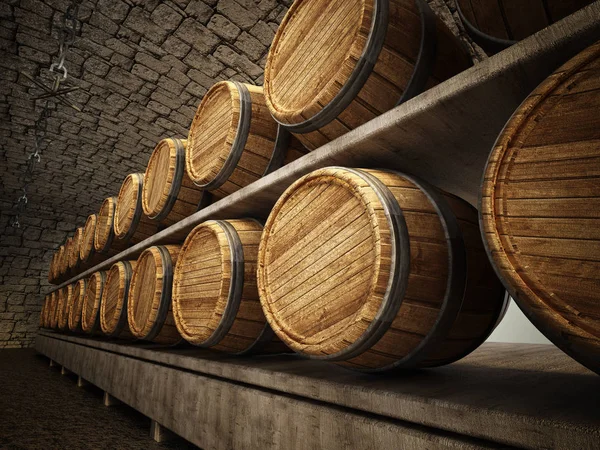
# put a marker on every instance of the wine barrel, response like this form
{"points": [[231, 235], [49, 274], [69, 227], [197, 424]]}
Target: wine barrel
{"points": [[52, 268], [64, 258], [43, 312], [215, 298], [168, 193], [496, 25], [113, 309], [90, 311], [336, 64], [540, 207], [376, 270], [87, 252], [63, 305], [75, 249], [76, 305], [130, 223], [58, 269], [149, 306], [233, 141], [105, 243], [52, 313]]}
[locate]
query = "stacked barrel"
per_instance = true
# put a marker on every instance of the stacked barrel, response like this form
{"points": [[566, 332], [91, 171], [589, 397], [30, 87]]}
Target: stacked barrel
{"points": [[370, 269]]}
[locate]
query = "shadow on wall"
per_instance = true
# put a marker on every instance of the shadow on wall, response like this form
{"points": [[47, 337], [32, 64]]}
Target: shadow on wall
{"points": [[515, 327]]}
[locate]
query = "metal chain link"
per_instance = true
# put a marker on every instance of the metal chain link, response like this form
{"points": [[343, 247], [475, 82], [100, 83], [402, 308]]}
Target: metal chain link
{"points": [[66, 36]]}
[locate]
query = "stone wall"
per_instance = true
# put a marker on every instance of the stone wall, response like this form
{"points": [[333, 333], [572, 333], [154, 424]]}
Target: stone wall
{"points": [[142, 68]]}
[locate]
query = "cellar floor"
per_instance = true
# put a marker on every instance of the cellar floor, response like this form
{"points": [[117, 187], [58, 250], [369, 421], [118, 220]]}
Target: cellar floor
{"points": [[40, 409]]}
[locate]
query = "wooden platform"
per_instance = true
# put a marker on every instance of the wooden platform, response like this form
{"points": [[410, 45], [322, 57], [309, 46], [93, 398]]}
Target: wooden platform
{"points": [[503, 395]]}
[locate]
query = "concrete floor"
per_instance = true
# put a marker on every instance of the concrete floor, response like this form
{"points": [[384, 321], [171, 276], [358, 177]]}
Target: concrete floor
{"points": [[41, 409]]}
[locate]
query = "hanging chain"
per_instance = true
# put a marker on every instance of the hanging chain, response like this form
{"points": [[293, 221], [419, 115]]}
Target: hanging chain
{"points": [[58, 71]]}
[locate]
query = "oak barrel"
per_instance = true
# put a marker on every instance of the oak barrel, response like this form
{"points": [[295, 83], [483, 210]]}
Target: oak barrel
{"points": [[58, 272], [540, 207], [130, 223], [376, 270], [76, 305], [64, 258], [63, 307], [43, 311], [496, 25], [113, 308], [52, 268], [105, 243], [87, 252], [336, 64], [215, 297], [168, 193], [233, 140], [90, 311], [75, 248], [52, 312], [149, 306]]}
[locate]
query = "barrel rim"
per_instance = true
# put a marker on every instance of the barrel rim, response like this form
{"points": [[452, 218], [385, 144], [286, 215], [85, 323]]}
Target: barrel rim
{"points": [[80, 287], [91, 324], [136, 179], [552, 326], [74, 259], [110, 326], [86, 249], [111, 204]]}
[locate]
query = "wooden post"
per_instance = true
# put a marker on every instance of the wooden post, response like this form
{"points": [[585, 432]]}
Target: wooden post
{"points": [[159, 433], [109, 400], [52, 363], [64, 371], [81, 382]]}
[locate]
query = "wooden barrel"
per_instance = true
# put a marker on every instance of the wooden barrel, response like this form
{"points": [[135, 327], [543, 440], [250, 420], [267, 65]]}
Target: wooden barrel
{"points": [[215, 297], [76, 305], [233, 141], [52, 268], [540, 207], [87, 252], [168, 194], [43, 311], [75, 249], [130, 223], [52, 313], [336, 64], [58, 273], [90, 311], [64, 258], [149, 306], [376, 270], [105, 243], [113, 309], [64, 300], [496, 25]]}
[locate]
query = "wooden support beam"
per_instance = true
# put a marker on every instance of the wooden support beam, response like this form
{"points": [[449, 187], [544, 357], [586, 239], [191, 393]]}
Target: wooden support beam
{"points": [[81, 382], [159, 433], [64, 371], [109, 400]]}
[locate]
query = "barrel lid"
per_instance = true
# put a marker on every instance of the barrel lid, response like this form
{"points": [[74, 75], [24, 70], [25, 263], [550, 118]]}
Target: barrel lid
{"points": [[87, 237], [105, 224], [213, 132], [113, 316], [540, 207], [76, 245], [314, 53], [326, 262], [63, 305], [129, 206], [203, 280], [79, 288], [91, 301], [163, 176]]}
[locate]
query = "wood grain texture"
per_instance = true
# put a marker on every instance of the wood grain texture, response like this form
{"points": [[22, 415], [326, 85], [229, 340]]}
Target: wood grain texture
{"points": [[497, 24], [76, 305], [161, 182], [130, 224], [205, 302], [74, 251], [317, 50], [62, 312], [444, 135], [90, 312], [518, 395], [215, 129], [149, 306], [87, 251], [367, 268], [544, 241], [113, 308]]}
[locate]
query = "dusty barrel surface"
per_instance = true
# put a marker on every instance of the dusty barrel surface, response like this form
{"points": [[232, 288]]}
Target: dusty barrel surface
{"points": [[90, 311], [233, 140], [215, 297], [64, 295], [376, 270], [336, 64], [75, 249], [496, 25], [540, 207], [149, 306], [76, 306], [169, 195], [113, 309], [130, 223]]}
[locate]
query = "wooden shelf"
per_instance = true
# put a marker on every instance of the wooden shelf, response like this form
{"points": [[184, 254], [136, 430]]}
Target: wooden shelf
{"points": [[524, 395], [443, 136]]}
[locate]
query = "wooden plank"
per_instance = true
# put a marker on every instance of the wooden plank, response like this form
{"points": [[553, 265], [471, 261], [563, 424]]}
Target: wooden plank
{"points": [[212, 412], [443, 135], [530, 396]]}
